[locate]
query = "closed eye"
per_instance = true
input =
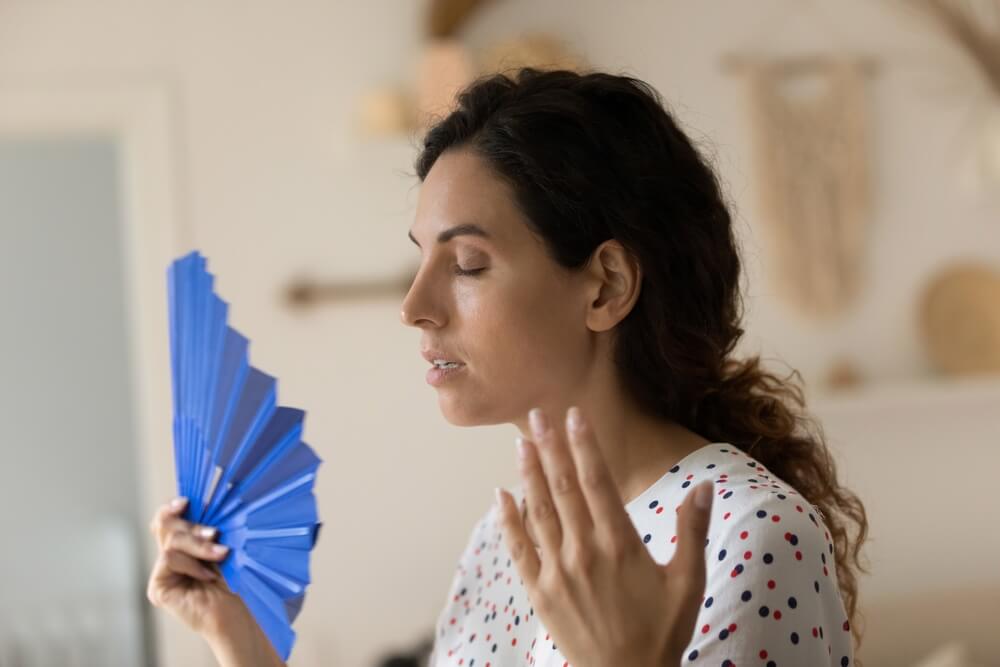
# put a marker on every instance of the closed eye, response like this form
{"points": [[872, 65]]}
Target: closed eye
{"points": [[459, 271]]}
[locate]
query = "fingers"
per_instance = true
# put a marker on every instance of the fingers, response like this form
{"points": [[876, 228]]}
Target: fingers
{"points": [[175, 534], [182, 563], [560, 476], [688, 561], [198, 545], [604, 502], [537, 498], [515, 537], [164, 514]]}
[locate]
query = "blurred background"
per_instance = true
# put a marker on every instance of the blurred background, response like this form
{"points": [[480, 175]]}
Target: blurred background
{"points": [[859, 144]]}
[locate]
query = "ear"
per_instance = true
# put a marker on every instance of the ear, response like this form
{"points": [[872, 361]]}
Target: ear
{"points": [[615, 279]]}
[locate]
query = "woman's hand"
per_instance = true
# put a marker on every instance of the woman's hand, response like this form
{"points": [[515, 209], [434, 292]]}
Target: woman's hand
{"points": [[181, 582], [602, 597], [195, 592]]}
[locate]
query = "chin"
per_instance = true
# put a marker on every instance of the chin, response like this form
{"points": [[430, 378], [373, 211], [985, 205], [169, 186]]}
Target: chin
{"points": [[462, 412]]}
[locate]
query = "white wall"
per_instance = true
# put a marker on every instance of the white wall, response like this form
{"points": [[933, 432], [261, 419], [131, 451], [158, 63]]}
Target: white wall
{"points": [[273, 182]]}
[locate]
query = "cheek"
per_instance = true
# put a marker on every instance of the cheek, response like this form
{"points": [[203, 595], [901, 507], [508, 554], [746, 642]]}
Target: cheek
{"points": [[528, 337]]}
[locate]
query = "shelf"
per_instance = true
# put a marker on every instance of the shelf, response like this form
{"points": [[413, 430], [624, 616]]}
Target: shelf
{"points": [[928, 392]]}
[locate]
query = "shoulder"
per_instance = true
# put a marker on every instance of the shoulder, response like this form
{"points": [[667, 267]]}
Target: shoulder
{"points": [[771, 583], [754, 508]]}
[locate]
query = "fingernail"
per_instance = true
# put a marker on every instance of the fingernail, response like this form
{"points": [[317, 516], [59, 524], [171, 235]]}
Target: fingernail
{"points": [[573, 418], [178, 502], [205, 531], [522, 452], [538, 423], [703, 495], [219, 549]]}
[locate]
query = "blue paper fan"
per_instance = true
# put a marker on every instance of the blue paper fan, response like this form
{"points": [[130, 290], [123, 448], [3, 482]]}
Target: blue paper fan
{"points": [[239, 457]]}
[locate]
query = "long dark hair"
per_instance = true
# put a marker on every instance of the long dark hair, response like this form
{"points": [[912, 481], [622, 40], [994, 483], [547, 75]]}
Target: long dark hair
{"points": [[596, 156]]}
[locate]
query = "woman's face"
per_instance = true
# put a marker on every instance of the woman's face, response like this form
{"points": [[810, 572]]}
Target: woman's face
{"points": [[518, 324]]}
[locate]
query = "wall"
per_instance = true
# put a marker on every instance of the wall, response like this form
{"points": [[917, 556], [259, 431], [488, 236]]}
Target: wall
{"points": [[273, 181]]}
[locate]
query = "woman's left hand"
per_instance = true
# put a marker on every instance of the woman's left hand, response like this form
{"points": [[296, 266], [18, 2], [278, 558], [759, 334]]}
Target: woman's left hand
{"points": [[595, 587]]}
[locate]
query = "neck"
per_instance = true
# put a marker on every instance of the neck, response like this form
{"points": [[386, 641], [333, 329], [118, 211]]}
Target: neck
{"points": [[637, 448]]}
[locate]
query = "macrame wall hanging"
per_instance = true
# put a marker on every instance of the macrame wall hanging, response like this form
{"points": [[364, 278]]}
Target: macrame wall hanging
{"points": [[810, 125]]}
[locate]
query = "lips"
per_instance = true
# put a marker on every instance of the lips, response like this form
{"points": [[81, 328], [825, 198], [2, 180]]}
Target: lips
{"points": [[431, 354]]}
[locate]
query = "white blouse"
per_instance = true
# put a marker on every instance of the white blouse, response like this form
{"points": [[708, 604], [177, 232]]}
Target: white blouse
{"points": [[771, 596]]}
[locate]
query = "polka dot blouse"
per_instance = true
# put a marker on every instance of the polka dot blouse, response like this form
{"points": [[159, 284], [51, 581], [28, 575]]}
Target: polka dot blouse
{"points": [[771, 597]]}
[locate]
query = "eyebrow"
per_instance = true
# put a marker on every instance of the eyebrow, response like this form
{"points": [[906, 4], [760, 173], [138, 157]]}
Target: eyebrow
{"points": [[459, 230]]}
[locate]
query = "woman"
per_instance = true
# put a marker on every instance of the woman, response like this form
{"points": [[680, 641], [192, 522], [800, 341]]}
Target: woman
{"points": [[579, 261]]}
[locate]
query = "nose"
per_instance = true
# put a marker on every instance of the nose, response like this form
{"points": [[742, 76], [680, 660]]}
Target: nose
{"points": [[419, 308]]}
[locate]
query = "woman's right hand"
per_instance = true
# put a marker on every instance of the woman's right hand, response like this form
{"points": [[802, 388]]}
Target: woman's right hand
{"points": [[182, 583], [186, 582]]}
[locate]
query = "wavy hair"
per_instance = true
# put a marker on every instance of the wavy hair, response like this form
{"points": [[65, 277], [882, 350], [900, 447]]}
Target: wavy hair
{"points": [[594, 156]]}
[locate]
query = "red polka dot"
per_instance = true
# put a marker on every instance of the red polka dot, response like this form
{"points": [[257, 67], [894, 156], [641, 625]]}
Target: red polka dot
{"points": [[798, 555], [744, 534], [747, 555], [659, 509], [763, 654], [775, 518], [770, 583], [726, 516], [705, 628], [777, 614]]}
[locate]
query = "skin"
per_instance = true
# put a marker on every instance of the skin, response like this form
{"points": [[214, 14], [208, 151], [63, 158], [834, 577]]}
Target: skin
{"points": [[535, 335], [601, 596], [531, 335]]}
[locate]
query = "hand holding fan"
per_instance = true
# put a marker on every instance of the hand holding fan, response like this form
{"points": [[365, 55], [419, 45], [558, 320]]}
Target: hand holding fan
{"points": [[239, 457]]}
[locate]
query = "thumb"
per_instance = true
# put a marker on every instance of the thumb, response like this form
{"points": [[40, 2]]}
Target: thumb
{"points": [[688, 562]]}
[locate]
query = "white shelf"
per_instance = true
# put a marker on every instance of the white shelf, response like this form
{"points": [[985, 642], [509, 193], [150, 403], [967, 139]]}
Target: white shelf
{"points": [[928, 392]]}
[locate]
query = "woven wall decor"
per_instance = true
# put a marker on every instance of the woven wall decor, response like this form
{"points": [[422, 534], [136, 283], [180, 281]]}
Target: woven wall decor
{"points": [[812, 175]]}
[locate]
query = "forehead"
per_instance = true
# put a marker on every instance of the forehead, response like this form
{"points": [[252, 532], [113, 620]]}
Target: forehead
{"points": [[459, 189]]}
